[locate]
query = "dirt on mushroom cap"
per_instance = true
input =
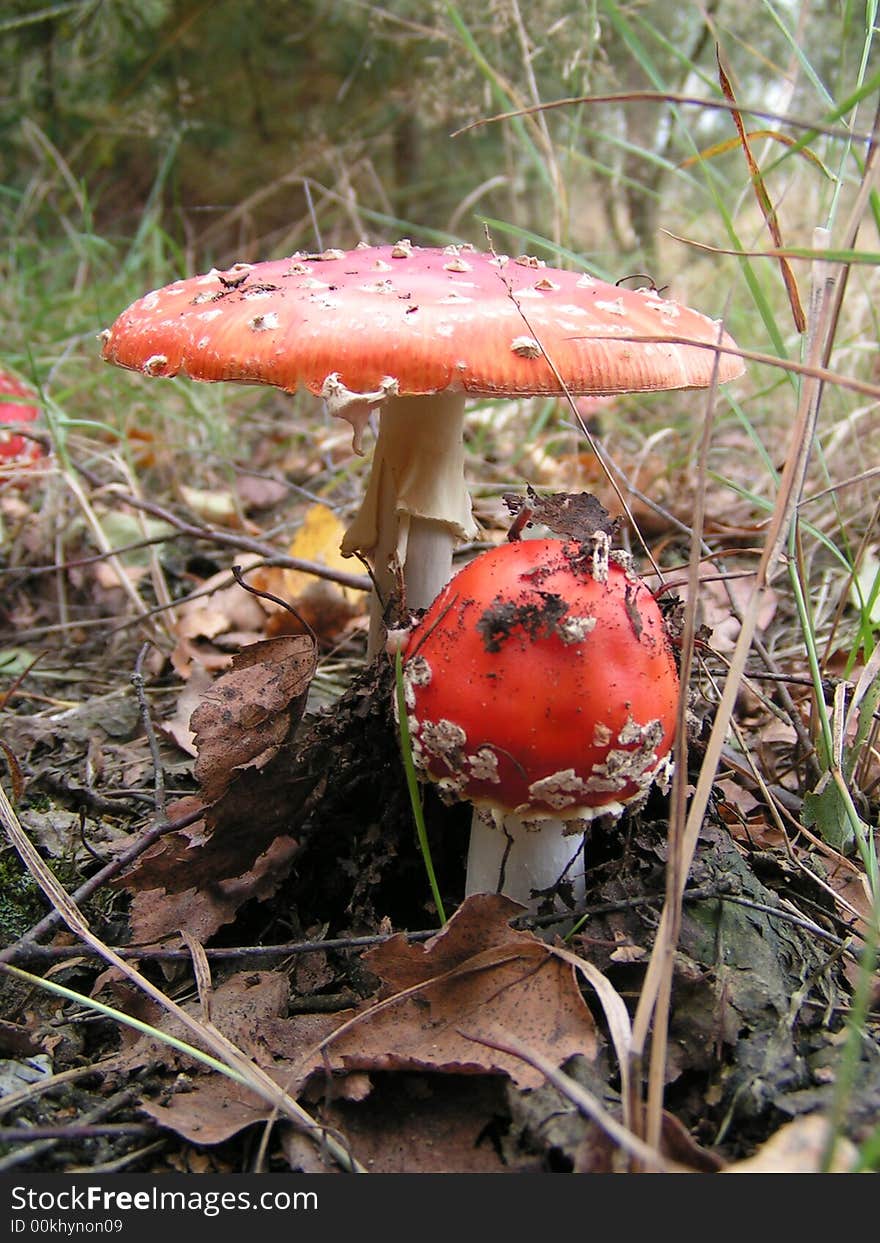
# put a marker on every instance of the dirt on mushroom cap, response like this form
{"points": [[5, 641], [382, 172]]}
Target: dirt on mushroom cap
{"points": [[431, 319], [534, 688]]}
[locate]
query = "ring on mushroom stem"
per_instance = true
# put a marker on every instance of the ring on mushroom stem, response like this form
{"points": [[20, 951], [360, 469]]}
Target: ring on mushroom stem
{"points": [[540, 686], [411, 332]]}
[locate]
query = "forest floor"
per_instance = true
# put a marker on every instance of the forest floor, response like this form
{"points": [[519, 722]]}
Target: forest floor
{"points": [[252, 897]]}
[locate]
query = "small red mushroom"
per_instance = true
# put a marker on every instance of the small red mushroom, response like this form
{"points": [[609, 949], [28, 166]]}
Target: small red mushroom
{"points": [[16, 406], [540, 686]]}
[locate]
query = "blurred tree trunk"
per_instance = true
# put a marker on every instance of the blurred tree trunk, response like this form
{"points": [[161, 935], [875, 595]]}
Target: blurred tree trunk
{"points": [[633, 201]]}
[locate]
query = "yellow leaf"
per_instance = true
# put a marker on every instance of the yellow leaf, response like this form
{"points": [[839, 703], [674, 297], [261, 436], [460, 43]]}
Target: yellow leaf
{"points": [[318, 539]]}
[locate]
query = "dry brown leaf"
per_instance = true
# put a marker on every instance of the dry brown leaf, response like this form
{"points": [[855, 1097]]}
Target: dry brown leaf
{"points": [[241, 1005], [107, 576], [476, 976], [177, 727], [208, 1107], [159, 913], [196, 879], [746, 817], [415, 1124], [325, 607], [249, 711], [211, 1112], [222, 609], [715, 598], [259, 491], [798, 1148]]}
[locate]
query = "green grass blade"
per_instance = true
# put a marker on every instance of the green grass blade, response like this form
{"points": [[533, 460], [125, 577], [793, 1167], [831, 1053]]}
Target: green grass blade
{"points": [[412, 785]]}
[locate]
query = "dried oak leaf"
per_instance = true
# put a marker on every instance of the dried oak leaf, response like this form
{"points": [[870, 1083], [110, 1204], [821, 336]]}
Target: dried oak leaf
{"points": [[249, 711], [413, 1124], [219, 619], [197, 878], [160, 912], [205, 1106], [268, 803], [476, 979]]}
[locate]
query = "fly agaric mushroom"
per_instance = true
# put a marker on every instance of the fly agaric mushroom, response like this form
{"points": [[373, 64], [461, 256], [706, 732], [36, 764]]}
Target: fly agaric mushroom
{"points": [[540, 686], [411, 332], [16, 406]]}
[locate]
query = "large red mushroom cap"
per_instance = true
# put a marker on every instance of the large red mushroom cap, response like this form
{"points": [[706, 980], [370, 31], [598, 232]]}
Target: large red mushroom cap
{"points": [[541, 683], [15, 449], [413, 320], [412, 332]]}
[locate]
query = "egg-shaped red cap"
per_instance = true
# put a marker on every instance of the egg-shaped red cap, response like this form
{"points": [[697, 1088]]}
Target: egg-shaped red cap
{"points": [[541, 682]]}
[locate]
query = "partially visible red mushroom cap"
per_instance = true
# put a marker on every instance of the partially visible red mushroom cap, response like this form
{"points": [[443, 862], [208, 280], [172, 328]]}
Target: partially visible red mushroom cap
{"points": [[541, 682], [16, 450], [424, 319]]}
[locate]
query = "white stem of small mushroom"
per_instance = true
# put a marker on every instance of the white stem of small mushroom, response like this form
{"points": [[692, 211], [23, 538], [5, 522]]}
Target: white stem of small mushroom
{"points": [[516, 857], [416, 507]]}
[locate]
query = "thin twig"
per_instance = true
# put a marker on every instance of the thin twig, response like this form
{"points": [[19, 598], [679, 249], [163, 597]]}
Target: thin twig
{"points": [[232, 540], [28, 952], [75, 1130], [48, 1083], [224, 1050], [28, 943], [137, 681], [31, 1150]]}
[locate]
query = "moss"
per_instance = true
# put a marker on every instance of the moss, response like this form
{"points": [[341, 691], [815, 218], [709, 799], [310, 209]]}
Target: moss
{"points": [[22, 902]]}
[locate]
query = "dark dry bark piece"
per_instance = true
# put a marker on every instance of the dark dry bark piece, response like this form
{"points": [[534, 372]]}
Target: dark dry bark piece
{"points": [[570, 515], [337, 787]]}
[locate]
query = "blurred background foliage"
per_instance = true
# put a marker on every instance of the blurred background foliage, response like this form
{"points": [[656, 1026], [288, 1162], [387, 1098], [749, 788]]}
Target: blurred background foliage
{"points": [[250, 126], [141, 140]]}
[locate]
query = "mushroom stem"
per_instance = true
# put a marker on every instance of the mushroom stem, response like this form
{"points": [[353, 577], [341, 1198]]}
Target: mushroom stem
{"points": [[428, 561], [428, 566], [517, 857], [416, 505]]}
